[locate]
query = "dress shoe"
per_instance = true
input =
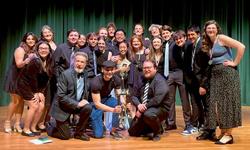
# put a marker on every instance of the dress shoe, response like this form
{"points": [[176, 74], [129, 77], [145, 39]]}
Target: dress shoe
{"points": [[171, 127], [156, 137], [41, 128], [7, 126], [30, 134], [226, 139], [83, 137], [36, 133], [207, 136]]}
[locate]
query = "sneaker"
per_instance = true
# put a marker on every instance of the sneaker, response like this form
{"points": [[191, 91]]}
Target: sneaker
{"points": [[115, 135], [189, 130]]}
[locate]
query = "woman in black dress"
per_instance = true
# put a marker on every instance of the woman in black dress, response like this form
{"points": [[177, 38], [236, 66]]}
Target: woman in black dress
{"points": [[31, 84], [22, 56]]}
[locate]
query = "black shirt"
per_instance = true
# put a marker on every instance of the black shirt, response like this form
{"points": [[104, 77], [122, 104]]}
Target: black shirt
{"points": [[99, 85]]}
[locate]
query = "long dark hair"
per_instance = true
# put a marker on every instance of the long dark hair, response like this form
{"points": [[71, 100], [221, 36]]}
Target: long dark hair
{"points": [[48, 66], [207, 44], [24, 45]]}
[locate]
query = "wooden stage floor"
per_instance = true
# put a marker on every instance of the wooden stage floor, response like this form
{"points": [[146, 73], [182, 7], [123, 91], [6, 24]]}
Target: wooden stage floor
{"points": [[170, 140]]}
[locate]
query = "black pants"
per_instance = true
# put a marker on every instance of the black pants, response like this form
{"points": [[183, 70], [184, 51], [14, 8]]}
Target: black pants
{"points": [[62, 130], [150, 121]]}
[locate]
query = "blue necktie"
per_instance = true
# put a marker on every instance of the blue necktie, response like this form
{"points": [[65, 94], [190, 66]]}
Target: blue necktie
{"points": [[166, 60], [80, 85]]}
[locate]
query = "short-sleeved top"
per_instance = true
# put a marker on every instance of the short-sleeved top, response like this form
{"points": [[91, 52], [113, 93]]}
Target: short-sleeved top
{"points": [[32, 79], [99, 85]]}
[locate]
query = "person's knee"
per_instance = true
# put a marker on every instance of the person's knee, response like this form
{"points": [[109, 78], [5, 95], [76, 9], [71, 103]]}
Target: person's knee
{"points": [[113, 102], [148, 116], [98, 132]]}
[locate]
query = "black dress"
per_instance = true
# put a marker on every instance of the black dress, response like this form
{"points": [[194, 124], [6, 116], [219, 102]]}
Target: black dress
{"points": [[32, 79], [11, 76]]}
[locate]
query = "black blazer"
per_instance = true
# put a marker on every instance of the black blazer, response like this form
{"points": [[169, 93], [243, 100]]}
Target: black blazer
{"points": [[157, 93], [65, 102]]}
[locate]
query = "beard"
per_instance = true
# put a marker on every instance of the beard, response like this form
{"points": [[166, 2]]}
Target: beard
{"points": [[78, 70]]}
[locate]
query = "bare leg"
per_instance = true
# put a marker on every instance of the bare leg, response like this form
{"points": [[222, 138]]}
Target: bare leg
{"points": [[37, 116], [16, 102], [33, 106], [18, 114], [43, 118]]}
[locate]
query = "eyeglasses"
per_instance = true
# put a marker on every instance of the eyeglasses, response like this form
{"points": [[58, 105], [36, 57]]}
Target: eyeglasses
{"points": [[148, 67], [45, 48]]}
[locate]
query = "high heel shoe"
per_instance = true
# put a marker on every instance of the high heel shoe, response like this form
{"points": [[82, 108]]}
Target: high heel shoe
{"points": [[7, 126], [17, 128], [226, 139], [41, 127]]}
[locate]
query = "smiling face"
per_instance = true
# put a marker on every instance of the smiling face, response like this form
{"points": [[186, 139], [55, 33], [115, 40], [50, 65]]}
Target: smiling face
{"points": [[43, 50], [155, 31], [108, 73], [103, 32], [180, 41], [136, 44], [81, 41], [192, 36], [92, 41], [157, 43], [166, 35], [123, 48], [80, 63], [211, 30], [101, 45], [138, 30], [30, 41], [47, 34], [73, 37], [149, 70]]}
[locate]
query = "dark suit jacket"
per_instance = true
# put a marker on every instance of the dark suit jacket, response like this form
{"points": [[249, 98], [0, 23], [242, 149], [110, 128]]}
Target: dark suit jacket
{"points": [[61, 58], [157, 94], [198, 74], [65, 102]]}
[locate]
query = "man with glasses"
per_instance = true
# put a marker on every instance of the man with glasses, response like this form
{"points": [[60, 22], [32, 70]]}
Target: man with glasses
{"points": [[151, 103]]}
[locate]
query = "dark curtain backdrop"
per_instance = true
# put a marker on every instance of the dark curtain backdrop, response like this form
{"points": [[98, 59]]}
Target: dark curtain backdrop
{"points": [[89, 15]]}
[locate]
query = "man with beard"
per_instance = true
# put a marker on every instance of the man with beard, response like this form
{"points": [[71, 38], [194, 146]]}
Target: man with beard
{"points": [[72, 98], [101, 87], [150, 100]]}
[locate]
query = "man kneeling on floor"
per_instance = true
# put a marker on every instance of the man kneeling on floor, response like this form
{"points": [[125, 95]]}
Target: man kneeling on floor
{"points": [[71, 98], [150, 100], [101, 87]]}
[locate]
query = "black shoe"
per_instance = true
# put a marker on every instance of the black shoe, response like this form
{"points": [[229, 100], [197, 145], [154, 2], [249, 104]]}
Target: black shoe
{"points": [[36, 133], [207, 136], [30, 134], [171, 127], [83, 137], [115, 135], [156, 137], [226, 139]]}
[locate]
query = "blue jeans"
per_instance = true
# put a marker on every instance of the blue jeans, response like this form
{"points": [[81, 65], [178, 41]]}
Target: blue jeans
{"points": [[96, 117]]}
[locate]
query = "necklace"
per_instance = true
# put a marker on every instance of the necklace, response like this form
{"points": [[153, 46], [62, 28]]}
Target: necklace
{"points": [[157, 59]]}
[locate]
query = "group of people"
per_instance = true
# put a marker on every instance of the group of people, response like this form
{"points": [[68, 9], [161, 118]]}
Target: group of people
{"points": [[104, 71]]}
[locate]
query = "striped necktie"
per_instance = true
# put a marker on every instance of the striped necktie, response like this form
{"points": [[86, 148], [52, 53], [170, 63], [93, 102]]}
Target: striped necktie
{"points": [[145, 93]]}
